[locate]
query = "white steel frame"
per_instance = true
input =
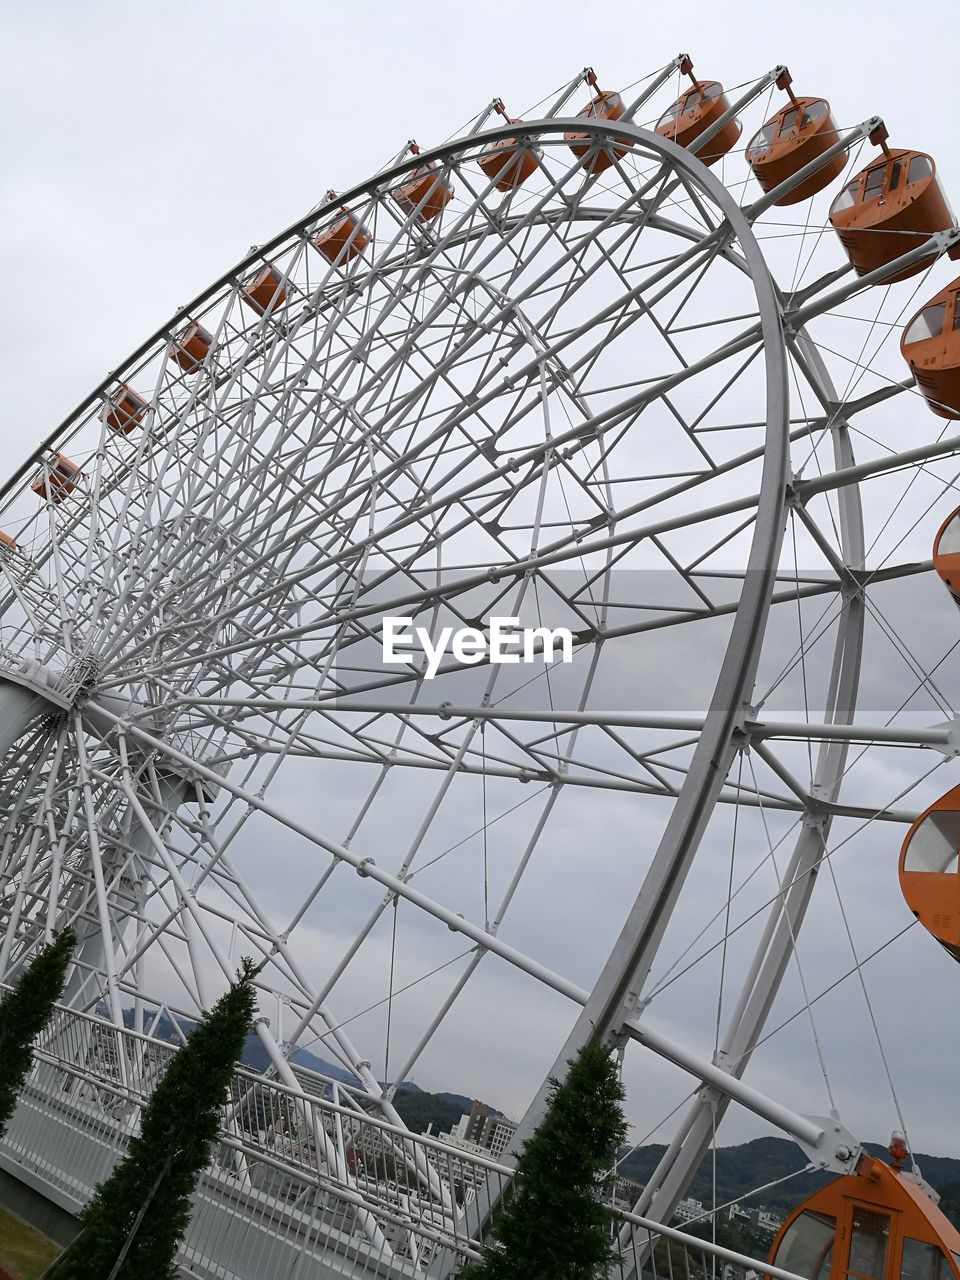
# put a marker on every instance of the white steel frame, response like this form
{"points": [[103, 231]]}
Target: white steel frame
{"points": [[171, 633]]}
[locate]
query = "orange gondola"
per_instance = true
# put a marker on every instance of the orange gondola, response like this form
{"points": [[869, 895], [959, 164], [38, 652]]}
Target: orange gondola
{"points": [[264, 291], [890, 207], [594, 155], [124, 410], [795, 136], [7, 543], [57, 480], [878, 1223], [931, 346], [425, 192], [343, 239], [508, 162], [946, 554], [695, 111], [929, 874], [191, 346]]}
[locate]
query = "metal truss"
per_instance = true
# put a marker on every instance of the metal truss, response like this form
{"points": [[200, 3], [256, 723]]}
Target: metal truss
{"points": [[610, 402]]}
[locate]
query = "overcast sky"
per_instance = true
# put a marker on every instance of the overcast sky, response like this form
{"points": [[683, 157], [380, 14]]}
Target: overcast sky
{"points": [[147, 147]]}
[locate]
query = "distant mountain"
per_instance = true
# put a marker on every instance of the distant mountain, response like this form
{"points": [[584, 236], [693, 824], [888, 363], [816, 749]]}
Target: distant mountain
{"points": [[165, 1027], [739, 1169], [456, 1099], [255, 1057], [437, 1107], [950, 1201], [418, 1109], [742, 1168]]}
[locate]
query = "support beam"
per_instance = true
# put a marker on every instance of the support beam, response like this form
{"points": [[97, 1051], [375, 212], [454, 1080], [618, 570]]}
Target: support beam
{"points": [[945, 735]]}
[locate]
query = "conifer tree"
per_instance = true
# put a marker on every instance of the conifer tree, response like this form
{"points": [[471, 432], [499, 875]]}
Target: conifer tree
{"points": [[24, 1013], [553, 1224], [138, 1216]]}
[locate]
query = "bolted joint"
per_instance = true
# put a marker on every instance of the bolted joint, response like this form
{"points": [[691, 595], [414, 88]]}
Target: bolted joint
{"points": [[837, 1150], [794, 491], [949, 242], [743, 731], [814, 819]]}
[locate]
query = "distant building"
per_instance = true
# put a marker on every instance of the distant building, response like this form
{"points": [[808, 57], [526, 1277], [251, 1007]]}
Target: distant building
{"points": [[732, 1272], [769, 1220], [687, 1210], [765, 1221], [484, 1129], [625, 1192]]}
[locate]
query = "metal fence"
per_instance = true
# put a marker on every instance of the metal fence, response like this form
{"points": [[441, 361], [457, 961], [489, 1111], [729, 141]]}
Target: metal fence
{"points": [[304, 1183]]}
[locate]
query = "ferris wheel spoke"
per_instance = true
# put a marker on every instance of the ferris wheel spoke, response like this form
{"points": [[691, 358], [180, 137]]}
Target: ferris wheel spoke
{"points": [[659, 1043], [752, 455], [138, 496], [549, 556], [411, 853], [228, 442]]}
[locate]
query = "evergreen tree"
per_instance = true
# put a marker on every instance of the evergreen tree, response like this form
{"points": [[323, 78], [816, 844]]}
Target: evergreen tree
{"points": [[553, 1224], [24, 1013], [138, 1216]]}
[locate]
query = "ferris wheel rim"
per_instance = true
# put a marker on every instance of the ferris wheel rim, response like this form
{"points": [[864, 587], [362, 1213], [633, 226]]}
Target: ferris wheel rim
{"points": [[677, 155], [598, 129], [601, 129]]}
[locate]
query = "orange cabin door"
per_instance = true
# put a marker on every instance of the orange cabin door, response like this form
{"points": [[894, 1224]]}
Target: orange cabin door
{"points": [[866, 1244]]}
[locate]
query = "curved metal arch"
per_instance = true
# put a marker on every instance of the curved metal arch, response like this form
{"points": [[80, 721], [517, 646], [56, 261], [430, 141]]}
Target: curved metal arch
{"points": [[711, 758], [678, 1166], [377, 187], [638, 943], [633, 952]]}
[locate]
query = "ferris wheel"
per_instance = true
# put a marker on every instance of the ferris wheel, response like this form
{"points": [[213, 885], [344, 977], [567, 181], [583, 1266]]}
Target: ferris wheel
{"points": [[605, 369]]}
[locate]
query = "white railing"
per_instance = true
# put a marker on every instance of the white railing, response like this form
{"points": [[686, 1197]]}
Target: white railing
{"points": [[298, 1176]]}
